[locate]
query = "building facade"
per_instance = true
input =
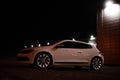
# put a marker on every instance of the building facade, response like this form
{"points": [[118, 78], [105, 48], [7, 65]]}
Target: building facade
{"points": [[108, 31]]}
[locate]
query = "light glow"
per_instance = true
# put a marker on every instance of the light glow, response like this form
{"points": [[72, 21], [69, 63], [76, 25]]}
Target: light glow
{"points": [[92, 37], [92, 40], [39, 45], [31, 46], [73, 39], [48, 43], [111, 9], [25, 46]]}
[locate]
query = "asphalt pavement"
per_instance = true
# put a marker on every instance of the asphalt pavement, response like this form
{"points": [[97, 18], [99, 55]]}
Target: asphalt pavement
{"points": [[11, 70]]}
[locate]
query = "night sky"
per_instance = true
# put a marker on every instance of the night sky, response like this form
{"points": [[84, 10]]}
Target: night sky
{"points": [[24, 22]]}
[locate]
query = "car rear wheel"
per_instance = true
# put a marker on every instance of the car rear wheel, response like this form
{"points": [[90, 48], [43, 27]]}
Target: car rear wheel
{"points": [[96, 64], [43, 60]]}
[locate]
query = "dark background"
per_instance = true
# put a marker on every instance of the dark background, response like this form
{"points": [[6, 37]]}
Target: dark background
{"points": [[47, 21]]}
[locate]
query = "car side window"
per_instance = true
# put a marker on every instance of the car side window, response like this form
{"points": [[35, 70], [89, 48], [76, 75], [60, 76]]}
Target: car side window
{"points": [[84, 46], [74, 45]]}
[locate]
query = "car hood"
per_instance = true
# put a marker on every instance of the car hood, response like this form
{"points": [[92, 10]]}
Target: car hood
{"points": [[42, 48]]}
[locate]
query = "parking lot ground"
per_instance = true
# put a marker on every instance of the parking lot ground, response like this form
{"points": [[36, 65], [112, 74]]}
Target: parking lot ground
{"points": [[10, 70]]}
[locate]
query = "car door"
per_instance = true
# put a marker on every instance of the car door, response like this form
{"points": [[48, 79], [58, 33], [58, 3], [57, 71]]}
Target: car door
{"points": [[63, 53], [71, 52], [83, 52]]}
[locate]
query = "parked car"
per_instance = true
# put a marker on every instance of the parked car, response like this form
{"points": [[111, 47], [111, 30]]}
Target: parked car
{"points": [[65, 53]]}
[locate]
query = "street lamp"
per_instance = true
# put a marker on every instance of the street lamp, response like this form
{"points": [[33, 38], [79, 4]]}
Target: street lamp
{"points": [[39, 45], [25, 46], [92, 37], [92, 40], [73, 39], [32, 46], [48, 43]]}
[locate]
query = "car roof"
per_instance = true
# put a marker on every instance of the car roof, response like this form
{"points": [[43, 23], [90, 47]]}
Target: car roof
{"points": [[73, 41]]}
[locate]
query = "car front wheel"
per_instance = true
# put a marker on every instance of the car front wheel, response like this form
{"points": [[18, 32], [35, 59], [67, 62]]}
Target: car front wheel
{"points": [[96, 64], [43, 60]]}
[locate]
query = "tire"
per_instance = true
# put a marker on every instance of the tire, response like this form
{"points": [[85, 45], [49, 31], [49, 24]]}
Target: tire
{"points": [[43, 60], [96, 64]]}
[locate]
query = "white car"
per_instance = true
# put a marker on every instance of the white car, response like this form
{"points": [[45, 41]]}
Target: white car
{"points": [[65, 52]]}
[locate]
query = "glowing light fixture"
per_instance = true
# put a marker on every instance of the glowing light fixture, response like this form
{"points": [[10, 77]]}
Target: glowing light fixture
{"points": [[25, 46], [48, 43], [32, 46], [111, 9], [92, 37], [39, 45], [73, 39], [92, 40]]}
